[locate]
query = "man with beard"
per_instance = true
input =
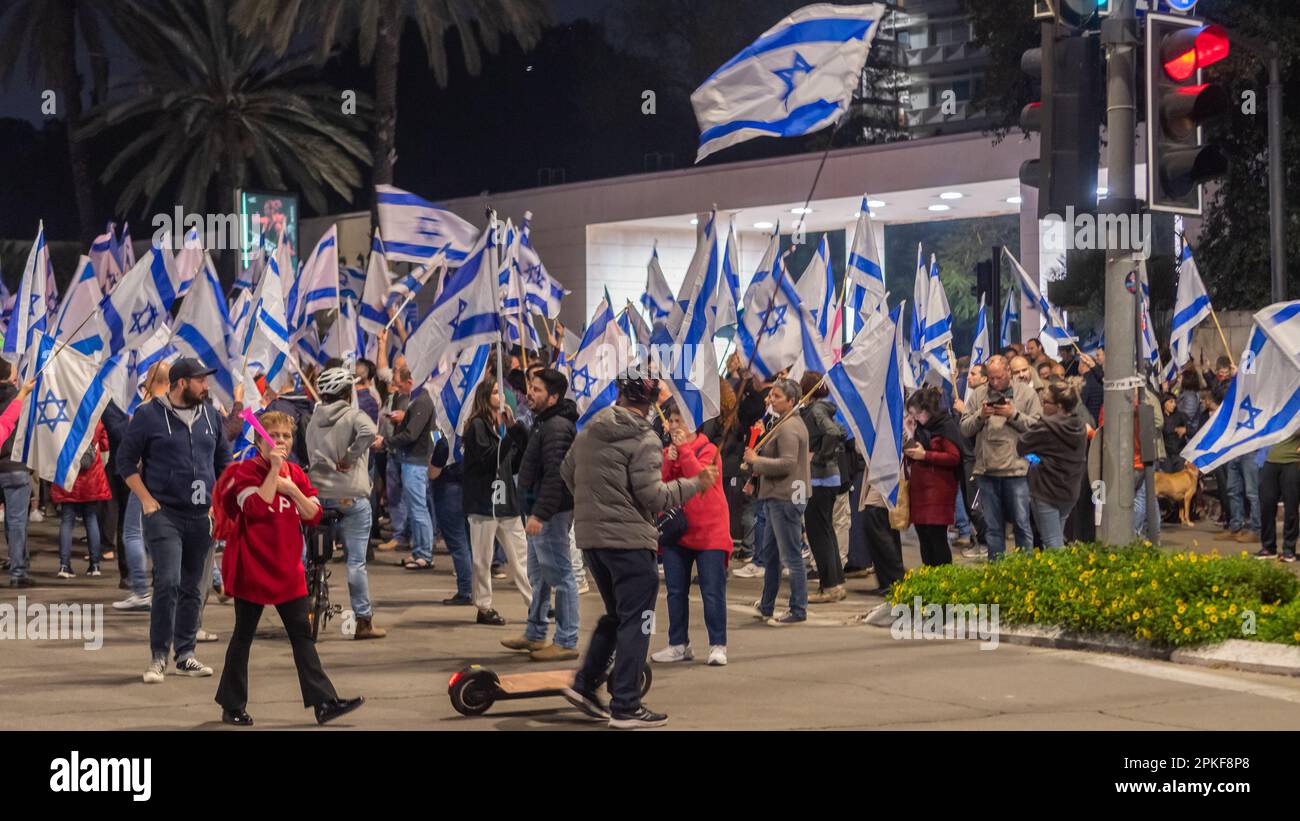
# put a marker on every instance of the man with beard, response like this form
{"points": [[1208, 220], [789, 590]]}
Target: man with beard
{"points": [[173, 451]]}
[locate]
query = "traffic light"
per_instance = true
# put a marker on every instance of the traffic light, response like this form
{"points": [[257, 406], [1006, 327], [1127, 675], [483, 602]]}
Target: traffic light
{"points": [[1076, 13], [1068, 117], [983, 278], [1178, 104]]}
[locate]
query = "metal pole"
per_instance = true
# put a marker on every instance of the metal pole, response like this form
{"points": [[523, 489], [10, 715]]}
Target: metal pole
{"points": [[1276, 192], [1119, 37]]}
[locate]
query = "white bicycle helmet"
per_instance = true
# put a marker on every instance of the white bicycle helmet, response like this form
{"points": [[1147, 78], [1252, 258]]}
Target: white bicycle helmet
{"points": [[333, 381]]}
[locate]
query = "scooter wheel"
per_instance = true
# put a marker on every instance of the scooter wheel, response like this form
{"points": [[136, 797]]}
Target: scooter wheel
{"points": [[473, 691], [647, 678]]}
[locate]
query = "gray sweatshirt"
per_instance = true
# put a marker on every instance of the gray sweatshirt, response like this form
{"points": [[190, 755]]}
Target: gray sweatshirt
{"points": [[338, 432]]}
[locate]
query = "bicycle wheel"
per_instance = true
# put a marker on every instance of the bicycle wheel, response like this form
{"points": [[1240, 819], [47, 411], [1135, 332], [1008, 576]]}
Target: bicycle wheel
{"points": [[317, 601]]}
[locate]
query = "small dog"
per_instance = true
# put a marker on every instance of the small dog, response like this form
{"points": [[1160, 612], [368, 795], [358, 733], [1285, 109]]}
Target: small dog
{"points": [[1180, 486]]}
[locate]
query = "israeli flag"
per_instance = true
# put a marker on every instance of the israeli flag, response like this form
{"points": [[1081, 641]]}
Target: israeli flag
{"points": [[727, 308], [1262, 406], [509, 281], [920, 299], [371, 312], [937, 335], [404, 290], [866, 276], [79, 313], [31, 311], [980, 348], [204, 331], [769, 333], [318, 282], [126, 249], [816, 288], [1191, 307], [141, 302], [129, 380], [188, 260], [603, 352], [416, 230], [638, 333], [464, 315], [658, 297], [452, 388], [58, 421], [906, 370], [265, 346], [1009, 317], [797, 78], [540, 288], [868, 390], [1055, 327], [1150, 349], [6, 307], [105, 262], [691, 365], [247, 278]]}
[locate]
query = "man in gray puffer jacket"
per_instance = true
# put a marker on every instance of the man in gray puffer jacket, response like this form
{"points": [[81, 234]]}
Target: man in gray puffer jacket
{"points": [[614, 470]]}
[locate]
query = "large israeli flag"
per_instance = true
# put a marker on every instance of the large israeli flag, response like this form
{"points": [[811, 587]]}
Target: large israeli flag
{"points": [[58, 421], [797, 78], [452, 388], [318, 282], [203, 330], [416, 230], [685, 355], [1191, 306], [658, 297], [464, 315], [31, 310], [541, 290], [371, 313], [264, 345], [937, 335], [981, 350], [141, 301], [866, 277], [604, 351], [1055, 327], [78, 322], [769, 333], [1262, 406]]}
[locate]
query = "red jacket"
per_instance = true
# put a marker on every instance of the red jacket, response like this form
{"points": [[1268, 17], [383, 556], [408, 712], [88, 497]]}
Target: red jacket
{"points": [[263, 558], [708, 520], [932, 484], [91, 485]]}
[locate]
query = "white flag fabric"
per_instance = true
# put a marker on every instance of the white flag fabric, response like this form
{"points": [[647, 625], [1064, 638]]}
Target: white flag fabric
{"points": [[920, 299], [938, 325], [541, 290], [188, 260], [769, 331], [452, 388], [797, 78], [816, 288], [107, 267], [658, 297], [31, 310], [686, 354], [981, 350], [78, 322], [1150, 349], [319, 282], [728, 299], [604, 350], [1056, 328], [1190, 307], [141, 301], [1262, 405], [371, 313], [203, 331], [866, 276], [58, 421], [264, 345], [1009, 317], [416, 230]]}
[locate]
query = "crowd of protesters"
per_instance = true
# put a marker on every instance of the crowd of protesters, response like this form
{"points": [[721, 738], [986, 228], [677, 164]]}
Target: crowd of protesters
{"points": [[772, 488]]}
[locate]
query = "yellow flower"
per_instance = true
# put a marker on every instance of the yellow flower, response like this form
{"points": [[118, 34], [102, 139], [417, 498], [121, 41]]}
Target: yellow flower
{"points": [[1187, 631], [1214, 589]]}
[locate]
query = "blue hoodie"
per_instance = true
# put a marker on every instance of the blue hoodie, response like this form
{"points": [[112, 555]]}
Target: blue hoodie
{"points": [[180, 464]]}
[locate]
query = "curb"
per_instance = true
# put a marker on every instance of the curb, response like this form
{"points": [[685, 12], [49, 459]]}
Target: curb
{"points": [[1236, 654]]}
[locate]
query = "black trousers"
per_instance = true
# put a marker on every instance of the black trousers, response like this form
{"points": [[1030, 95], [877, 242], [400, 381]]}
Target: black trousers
{"points": [[934, 544], [628, 581], [885, 546], [1279, 483], [819, 522], [232, 693], [111, 532], [1082, 524], [973, 513]]}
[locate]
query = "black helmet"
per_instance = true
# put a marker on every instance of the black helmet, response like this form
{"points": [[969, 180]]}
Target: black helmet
{"points": [[637, 387]]}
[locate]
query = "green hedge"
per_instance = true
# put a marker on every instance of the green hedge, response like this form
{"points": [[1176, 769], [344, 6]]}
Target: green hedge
{"points": [[1170, 599]]}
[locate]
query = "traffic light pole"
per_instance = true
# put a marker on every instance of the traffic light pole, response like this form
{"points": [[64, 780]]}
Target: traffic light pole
{"points": [[1276, 193], [1120, 40]]}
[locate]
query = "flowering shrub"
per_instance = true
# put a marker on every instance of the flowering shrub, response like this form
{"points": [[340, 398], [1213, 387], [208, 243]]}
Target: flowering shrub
{"points": [[1170, 599]]}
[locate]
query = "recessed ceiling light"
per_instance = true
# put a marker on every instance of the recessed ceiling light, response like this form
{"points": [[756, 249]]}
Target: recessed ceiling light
{"points": [[1015, 200], [763, 226], [801, 210], [695, 221], [951, 195], [876, 203], [940, 207]]}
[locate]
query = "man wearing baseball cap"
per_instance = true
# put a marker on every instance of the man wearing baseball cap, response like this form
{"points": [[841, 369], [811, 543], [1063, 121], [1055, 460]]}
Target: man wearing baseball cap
{"points": [[173, 451]]}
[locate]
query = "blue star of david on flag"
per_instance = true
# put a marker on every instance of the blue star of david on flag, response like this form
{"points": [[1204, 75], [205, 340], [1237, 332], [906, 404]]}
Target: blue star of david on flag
{"points": [[587, 382], [787, 75], [466, 374], [144, 319], [1251, 413], [461, 305], [60, 411], [31, 308], [779, 311]]}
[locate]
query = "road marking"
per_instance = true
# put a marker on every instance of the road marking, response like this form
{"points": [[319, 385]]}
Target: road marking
{"points": [[1181, 675]]}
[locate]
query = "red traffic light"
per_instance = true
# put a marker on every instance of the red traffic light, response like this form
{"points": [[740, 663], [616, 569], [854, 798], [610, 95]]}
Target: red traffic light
{"points": [[1186, 51]]}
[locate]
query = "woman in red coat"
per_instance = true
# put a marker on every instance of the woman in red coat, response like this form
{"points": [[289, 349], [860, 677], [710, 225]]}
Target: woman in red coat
{"points": [[706, 544], [265, 501], [935, 456], [89, 489]]}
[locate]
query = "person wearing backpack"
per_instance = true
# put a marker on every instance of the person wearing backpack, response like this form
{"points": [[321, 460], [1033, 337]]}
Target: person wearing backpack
{"points": [[82, 499]]}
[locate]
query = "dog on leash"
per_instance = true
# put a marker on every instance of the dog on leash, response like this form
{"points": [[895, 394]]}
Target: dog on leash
{"points": [[1180, 486]]}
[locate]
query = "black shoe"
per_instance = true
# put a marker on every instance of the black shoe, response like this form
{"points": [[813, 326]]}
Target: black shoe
{"points": [[239, 718], [93, 570], [334, 708], [1265, 553], [122, 584], [491, 617], [25, 581], [879, 591], [587, 702], [550, 613], [458, 601], [1288, 555], [641, 718]]}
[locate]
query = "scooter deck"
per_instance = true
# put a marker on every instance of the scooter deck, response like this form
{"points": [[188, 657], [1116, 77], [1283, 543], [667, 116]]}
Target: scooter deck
{"points": [[518, 683]]}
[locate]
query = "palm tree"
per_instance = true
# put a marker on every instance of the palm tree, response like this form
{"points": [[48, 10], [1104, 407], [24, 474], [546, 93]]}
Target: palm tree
{"points": [[45, 32], [377, 27], [216, 108]]}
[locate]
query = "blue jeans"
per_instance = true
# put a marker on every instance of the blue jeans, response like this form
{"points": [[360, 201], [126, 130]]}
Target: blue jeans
{"points": [[17, 489], [133, 546], [1140, 512], [396, 502], [180, 545], [415, 497], [760, 531], [68, 513], [1243, 489], [1051, 521], [783, 545], [1000, 495], [713, 589], [549, 568], [354, 528], [961, 520], [446, 500]]}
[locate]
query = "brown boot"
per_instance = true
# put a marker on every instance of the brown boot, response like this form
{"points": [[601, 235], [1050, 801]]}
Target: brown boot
{"points": [[367, 630]]}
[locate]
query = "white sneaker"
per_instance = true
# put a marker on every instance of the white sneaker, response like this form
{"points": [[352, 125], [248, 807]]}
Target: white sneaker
{"points": [[134, 602], [718, 655], [674, 652], [748, 571], [192, 667], [154, 675], [584, 589], [36, 516]]}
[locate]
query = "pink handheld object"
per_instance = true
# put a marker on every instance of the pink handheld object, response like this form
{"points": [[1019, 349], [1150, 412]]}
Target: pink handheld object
{"points": [[248, 416]]}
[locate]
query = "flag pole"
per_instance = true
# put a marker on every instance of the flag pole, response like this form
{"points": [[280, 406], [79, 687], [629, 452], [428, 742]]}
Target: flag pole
{"points": [[77, 330], [1223, 338], [797, 405]]}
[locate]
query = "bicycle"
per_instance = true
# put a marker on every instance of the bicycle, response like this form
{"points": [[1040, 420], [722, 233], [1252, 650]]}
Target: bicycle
{"points": [[320, 549]]}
